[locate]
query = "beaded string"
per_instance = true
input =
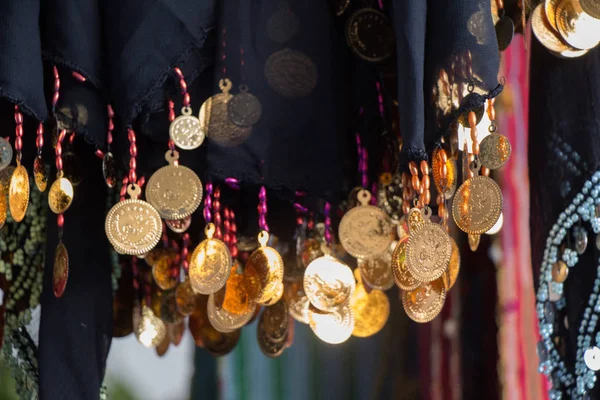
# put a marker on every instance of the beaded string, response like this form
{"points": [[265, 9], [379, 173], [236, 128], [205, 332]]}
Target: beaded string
{"points": [[184, 253], [59, 174], [363, 164], [223, 54], [230, 231], [56, 94], [39, 140], [183, 86], [123, 192], [441, 199], [242, 65], [475, 143], [164, 237], [217, 213], [262, 209], [328, 229], [380, 96], [206, 212], [176, 261], [18, 134], [171, 119], [132, 156]]}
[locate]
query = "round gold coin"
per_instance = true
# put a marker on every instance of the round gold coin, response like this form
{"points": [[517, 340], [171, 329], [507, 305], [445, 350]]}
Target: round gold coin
{"points": [[224, 321], [269, 348], [477, 205], [60, 273], [275, 321], [60, 195], [402, 276], [428, 252], [276, 297], [377, 271], [5, 175], [214, 119], [545, 33], [365, 231], [576, 27], [297, 301], [447, 186], [333, 327], [174, 191], [495, 150], [237, 288], [550, 12], [560, 272], [328, 283], [185, 130], [425, 302], [210, 266], [266, 264], [185, 297], [149, 330], [40, 174], [370, 310], [133, 227], [18, 193]]}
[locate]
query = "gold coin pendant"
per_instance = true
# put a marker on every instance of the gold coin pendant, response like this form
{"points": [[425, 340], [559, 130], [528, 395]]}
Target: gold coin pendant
{"points": [[495, 150], [60, 195], [370, 310], [266, 264], [328, 283], [40, 174], [477, 205], [428, 252], [402, 276], [185, 130], [210, 264], [18, 193], [425, 302]]}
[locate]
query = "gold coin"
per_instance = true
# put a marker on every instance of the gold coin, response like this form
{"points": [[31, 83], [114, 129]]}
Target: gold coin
{"points": [[5, 176], [149, 330], [550, 12], [210, 265], [495, 150], [425, 302], [545, 33], [185, 130], [224, 321], [447, 186], [328, 283], [163, 346], [269, 348], [477, 205], [560, 272], [297, 301], [237, 299], [377, 271], [218, 343], [453, 267], [311, 250], [18, 193], [60, 273], [591, 7], [214, 119], [266, 264], [428, 252], [415, 219], [186, 298], [474, 241], [333, 327], [370, 310], [463, 119], [275, 321], [40, 174], [276, 297], [575, 26], [402, 276], [365, 231], [174, 191], [162, 272], [133, 227], [60, 196]]}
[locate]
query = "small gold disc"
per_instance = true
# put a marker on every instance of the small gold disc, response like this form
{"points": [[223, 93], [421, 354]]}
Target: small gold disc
{"points": [[176, 332], [276, 297], [402, 276], [297, 301], [237, 288], [544, 31], [185, 297], [560, 272], [40, 174], [377, 271], [269, 348], [185, 130], [365, 231], [18, 193], [550, 12], [334, 327], [266, 264], [328, 283], [60, 273], [495, 150], [60, 195], [425, 302], [224, 321], [576, 27], [370, 310], [174, 191], [210, 266], [428, 252], [133, 227], [276, 320], [6, 153], [477, 205]]}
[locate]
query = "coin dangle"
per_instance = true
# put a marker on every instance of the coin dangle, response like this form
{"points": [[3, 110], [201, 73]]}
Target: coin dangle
{"points": [[5, 176], [174, 191], [477, 204], [133, 226], [60, 195], [365, 231], [425, 302], [495, 150], [18, 193], [428, 250], [186, 131], [266, 265], [210, 264], [328, 283], [244, 108]]}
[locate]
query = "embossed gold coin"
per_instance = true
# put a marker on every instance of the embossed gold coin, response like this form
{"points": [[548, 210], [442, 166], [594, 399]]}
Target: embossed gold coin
{"points": [[133, 226], [18, 193], [149, 330], [185, 297], [428, 252], [402, 276], [185, 130], [60, 273], [276, 297], [365, 231], [334, 327], [425, 302], [40, 174], [370, 310], [377, 271], [495, 150], [210, 264], [415, 219], [266, 264], [224, 321], [577, 28], [60, 195], [214, 119], [269, 348], [477, 205], [174, 191], [297, 301], [328, 283], [591, 7]]}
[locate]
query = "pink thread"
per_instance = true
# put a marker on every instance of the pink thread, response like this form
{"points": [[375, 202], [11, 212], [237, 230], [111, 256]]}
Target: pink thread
{"points": [[262, 209], [183, 86], [328, 230], [380, 97], [233, 183], [185, 252], [208, 203], [217, 212]]}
